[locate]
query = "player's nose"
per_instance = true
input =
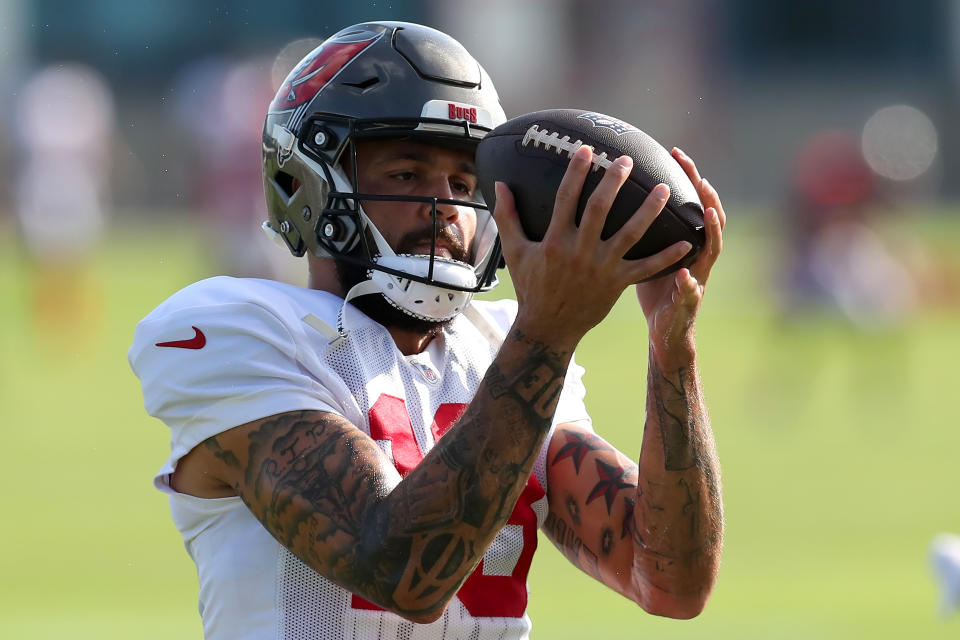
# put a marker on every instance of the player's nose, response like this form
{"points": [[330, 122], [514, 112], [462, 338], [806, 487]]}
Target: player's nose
{"points": [[440, 188]]}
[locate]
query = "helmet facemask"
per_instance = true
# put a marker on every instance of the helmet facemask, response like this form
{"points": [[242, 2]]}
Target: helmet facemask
{"points": [[430, 273]]}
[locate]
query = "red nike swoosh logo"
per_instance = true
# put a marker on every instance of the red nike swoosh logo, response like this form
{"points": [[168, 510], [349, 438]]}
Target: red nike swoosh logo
{"points": [[196, 342]]}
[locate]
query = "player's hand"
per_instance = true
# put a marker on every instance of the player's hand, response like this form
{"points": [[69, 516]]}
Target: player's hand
{"points": [[671, 303], [568, 282]]}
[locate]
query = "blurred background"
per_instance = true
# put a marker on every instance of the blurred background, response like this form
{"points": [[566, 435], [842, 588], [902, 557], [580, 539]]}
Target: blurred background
{"points": [[130, 167]]}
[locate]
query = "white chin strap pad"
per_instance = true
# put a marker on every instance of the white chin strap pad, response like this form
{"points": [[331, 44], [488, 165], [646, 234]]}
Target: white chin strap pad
{"points": [[425, 301], [431, 302]]}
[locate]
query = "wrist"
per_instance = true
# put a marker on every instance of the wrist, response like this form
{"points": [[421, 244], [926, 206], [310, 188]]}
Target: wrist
{"points": [[673, 354], [551, 334]]}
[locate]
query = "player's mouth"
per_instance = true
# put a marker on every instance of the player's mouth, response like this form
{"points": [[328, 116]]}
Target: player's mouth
{"points": [[447, 245], [423, 248]]}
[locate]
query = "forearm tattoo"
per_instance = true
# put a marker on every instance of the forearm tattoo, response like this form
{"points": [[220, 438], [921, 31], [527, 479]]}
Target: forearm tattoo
{"points": [[662, 520], [537, 383], [678, 516], [675, 416], [318, 486]]}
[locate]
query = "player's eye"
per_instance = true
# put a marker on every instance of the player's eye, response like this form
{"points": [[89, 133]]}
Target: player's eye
{"points": [[463, 187], [403, 176]]}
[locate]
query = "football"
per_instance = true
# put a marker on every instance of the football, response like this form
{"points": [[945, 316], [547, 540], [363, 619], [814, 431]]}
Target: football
{"points": [[530, 154]]}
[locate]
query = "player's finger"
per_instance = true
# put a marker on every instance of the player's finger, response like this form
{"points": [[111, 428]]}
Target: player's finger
{"points": [[708, 195], [710, 198], [637, 270], [634, 228], [687, 164], [512, 237], [598, 204], [568, 193], [711, 248]]}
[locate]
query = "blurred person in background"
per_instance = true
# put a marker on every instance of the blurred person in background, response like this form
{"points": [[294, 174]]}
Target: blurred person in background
{"points": [[373, 455], [835, 259], [945, 561], [63, 127], [226, 184]]}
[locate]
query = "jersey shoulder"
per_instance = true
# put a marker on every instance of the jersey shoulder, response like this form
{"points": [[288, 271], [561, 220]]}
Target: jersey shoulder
{"points": [[226, 351], [235, 306], [224, 319]]}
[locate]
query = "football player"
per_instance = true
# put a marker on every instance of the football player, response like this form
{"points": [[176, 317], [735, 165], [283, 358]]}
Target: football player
{"points": [[372, 456]]}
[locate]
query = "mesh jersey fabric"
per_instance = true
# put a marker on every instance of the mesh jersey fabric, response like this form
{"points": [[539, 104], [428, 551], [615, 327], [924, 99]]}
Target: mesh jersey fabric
{"points": [[259, 358]]}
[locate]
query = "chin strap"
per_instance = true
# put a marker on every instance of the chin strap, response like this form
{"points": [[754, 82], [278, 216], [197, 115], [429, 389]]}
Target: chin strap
{"points": [[431, 302], [487, 329], [334, 336]]}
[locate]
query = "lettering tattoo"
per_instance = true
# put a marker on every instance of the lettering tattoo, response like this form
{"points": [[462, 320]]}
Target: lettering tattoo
{"points": [[571, 545], [537, 383]]}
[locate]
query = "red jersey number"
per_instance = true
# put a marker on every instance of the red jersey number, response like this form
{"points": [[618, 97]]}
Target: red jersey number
{"points": [[482, 595]]}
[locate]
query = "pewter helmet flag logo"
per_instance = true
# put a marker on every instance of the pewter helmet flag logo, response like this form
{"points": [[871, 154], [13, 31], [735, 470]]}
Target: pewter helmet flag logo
{"points": [[316, 70]]}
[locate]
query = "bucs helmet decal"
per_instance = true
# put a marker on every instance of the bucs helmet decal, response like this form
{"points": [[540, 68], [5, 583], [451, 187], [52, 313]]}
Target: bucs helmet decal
{"points": [[318, 68]]}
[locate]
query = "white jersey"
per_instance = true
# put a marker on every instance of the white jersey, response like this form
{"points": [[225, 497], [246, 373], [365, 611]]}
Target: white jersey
{"points": [[226, 351]]}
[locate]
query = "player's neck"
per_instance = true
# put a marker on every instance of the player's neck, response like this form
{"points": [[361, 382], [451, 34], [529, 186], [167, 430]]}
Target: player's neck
{"points": [[409, 339], [410, 342], [322, 275]]}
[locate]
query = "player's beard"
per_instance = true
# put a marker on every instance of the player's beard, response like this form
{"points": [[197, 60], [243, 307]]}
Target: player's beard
{"points": [[377, 307]]}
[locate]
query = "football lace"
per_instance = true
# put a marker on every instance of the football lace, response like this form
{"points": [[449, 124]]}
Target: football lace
{"points": [[551, 140]]}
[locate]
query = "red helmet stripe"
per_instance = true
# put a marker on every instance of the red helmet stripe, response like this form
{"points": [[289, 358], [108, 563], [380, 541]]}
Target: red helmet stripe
{"points": [[315, 71]]}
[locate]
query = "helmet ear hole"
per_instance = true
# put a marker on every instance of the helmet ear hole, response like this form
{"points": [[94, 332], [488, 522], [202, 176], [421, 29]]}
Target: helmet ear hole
{"points": [[287, 183]]}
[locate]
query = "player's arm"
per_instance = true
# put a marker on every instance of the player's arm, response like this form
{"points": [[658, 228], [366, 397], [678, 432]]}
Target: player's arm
{"points": [[324, 489], [651, 531]]}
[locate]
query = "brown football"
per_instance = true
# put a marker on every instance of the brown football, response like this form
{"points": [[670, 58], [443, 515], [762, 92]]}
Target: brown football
{"points": [[530, 154]]}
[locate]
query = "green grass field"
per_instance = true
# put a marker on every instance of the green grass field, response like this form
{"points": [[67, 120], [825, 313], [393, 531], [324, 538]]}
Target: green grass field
{"points": [[839, 453]]}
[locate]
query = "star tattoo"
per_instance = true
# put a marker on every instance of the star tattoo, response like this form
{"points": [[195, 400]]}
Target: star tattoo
{"points": [[574, 510], [578, 445], [611, 481], [629, 527], [606, 541]]}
